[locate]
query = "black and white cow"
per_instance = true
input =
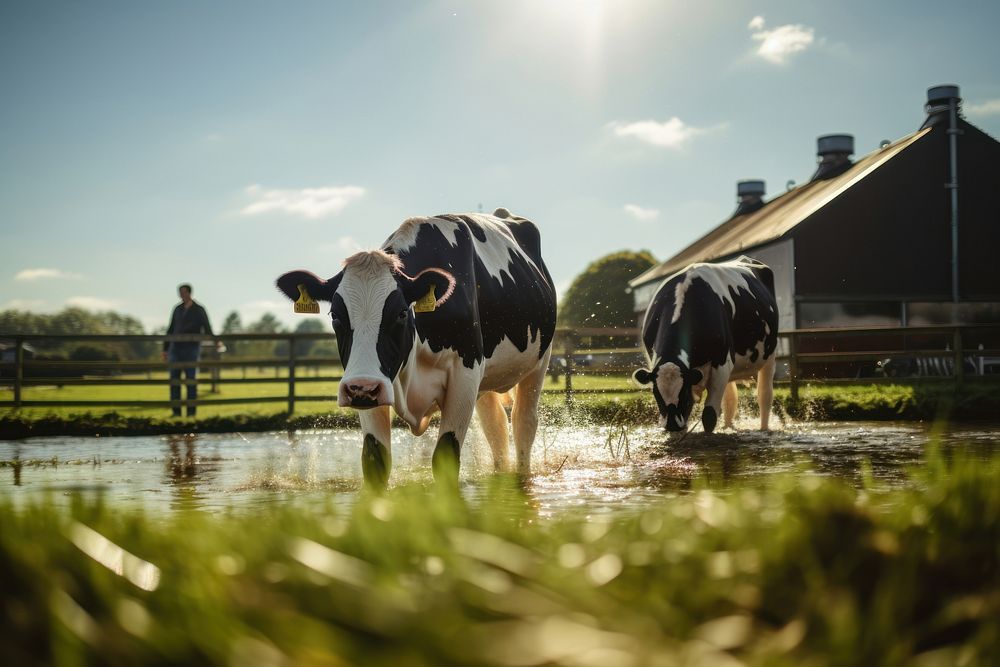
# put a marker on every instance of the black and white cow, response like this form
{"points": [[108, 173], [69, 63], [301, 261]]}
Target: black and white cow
{"points": [[452, 312], [709, 324]]}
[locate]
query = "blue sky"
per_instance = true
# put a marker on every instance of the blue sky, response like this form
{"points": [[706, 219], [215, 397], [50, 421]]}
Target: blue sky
{"points": [[144, 144]]}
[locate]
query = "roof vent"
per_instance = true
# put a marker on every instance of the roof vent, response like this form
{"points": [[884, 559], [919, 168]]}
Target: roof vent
{"points": [[749, 196], [939, 101], [834, 155]]}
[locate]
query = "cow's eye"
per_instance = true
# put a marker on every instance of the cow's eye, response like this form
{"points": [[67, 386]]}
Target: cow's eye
{"points": [[336, 323], [403, 313]]}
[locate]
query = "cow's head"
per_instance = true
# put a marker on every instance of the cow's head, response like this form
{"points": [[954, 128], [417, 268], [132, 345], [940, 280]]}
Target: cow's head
{"points": [[370, 304], [672, 389]]}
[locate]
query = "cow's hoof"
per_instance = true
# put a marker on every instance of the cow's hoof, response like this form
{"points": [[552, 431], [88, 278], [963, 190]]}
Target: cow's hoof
{"points": [[445, 459], [708, 418], [375, 463]]}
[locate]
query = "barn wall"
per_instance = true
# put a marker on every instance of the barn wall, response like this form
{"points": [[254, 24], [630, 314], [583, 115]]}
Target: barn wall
{"points": [[979, 215], [888, 236]]}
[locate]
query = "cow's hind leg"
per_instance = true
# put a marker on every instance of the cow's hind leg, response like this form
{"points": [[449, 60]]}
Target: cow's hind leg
{"points": [[765, 392], [493, 419], [376, 448], [716, 390], [730, 402], [524, 414]]}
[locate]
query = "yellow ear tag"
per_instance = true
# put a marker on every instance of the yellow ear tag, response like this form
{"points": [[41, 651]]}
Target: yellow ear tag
{"points": [[427, 303], [305, 304]]}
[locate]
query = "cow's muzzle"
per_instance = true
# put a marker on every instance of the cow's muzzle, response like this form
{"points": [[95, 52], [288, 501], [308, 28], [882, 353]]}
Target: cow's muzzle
{"points": [[364, 393], [674, 421]]}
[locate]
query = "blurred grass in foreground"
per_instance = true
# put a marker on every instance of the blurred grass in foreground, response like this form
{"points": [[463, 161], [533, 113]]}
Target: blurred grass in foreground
{"points": [[801, 570]]}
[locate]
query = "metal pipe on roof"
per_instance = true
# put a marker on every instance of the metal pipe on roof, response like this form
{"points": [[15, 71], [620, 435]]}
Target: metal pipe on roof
{"points": [[834, 155], [941, 98], [749, 196]]}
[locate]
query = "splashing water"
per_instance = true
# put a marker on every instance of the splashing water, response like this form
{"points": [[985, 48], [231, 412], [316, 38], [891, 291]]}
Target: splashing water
{"points": [[576, 465]]}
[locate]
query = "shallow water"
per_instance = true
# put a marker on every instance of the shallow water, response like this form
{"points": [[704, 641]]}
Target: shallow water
{"points": [[593, 468]]}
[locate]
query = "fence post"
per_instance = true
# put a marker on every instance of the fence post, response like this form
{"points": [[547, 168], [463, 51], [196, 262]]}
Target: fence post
{"points": [[569, 349], [18, 370], [959, 358], [793, 368], [291, 374]]}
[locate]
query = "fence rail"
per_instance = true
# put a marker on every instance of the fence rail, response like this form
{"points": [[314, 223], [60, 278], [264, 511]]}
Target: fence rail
{"points": [[801, 350]]}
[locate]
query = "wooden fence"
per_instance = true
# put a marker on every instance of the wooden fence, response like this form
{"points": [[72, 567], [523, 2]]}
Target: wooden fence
{"points": [[801, 353]]}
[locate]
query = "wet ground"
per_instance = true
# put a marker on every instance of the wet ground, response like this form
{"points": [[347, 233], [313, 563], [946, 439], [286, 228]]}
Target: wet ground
{"points": [[588, 467]]}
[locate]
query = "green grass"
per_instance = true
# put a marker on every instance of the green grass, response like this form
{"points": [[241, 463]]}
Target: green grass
{"points": [[927, 401], [795, 570]]}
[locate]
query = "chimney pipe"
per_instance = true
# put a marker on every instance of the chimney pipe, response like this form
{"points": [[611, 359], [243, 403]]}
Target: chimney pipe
{"points": [[943, 106], [749, 196], [833, 153]]}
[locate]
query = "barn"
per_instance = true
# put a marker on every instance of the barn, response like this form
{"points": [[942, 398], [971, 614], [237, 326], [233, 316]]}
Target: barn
{"points": [[906, 235]]}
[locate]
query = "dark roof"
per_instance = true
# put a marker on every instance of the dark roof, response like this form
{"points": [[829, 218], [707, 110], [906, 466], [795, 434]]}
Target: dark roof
{"points": [[779, 216]]}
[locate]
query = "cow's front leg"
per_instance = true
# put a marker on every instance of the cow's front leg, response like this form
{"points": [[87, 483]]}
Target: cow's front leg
{"points": [[456, 413], [716, 385], [376, 449]]}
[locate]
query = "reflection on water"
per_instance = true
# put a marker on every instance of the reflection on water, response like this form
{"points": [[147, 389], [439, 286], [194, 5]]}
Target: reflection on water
{"points": [[188, 473], [592, 467]]}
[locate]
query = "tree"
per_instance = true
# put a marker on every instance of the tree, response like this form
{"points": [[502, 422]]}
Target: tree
{"points": [[599, 296], [268, 323], [303, 348], [233, 324]]}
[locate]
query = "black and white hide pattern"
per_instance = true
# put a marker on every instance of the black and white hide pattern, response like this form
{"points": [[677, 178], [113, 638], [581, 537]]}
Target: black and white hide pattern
{"points": [[707, 325], [488, 331]]}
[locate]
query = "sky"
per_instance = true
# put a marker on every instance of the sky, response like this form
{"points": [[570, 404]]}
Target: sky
{"points": [[146, 144]]}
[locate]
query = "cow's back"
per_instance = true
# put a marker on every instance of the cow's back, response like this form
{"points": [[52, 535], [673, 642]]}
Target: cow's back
{"points": [[503, 289], [707, 313]]}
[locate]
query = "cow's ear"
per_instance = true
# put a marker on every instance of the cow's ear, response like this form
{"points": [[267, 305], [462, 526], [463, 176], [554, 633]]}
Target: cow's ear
{"points": [[428, 289], [693, 376], [315, 287], [642, 376]]}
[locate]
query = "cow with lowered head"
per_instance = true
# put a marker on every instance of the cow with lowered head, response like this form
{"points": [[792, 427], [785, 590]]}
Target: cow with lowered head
{"points": [[451, 313], [707, 325]]}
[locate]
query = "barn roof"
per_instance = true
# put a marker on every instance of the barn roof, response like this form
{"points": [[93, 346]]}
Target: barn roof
{"points": [[778, 216]]}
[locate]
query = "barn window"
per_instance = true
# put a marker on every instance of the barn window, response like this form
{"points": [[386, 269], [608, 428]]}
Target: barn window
{"points": [[849, 314]]}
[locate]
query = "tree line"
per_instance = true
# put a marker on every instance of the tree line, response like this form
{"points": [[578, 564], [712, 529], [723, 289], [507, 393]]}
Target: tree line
{"points": [[77, 321]]}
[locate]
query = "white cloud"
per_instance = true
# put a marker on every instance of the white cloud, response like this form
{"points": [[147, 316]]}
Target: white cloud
{"points": [[40, 274], [778, 44], [92, 303], [672, 133], [640, 213], [311, 203], [987, 108]]}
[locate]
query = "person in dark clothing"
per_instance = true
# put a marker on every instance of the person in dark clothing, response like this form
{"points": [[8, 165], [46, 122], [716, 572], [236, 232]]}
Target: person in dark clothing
{"points": [[188, 318]]}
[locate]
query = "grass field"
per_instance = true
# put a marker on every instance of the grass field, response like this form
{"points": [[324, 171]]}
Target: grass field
{"points": [[797, 570], [619, 402], [304, 388]]}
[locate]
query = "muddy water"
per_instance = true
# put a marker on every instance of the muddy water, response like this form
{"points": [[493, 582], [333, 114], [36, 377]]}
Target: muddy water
{"points": [[588, 467]]}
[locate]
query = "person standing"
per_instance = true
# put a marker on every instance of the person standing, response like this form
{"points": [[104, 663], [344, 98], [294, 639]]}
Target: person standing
{"points": [[188, 317]]}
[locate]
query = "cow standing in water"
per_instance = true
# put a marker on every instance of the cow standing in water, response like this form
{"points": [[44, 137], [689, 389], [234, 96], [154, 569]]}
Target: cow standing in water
{"points": [[707, 325], [452, 312]]}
